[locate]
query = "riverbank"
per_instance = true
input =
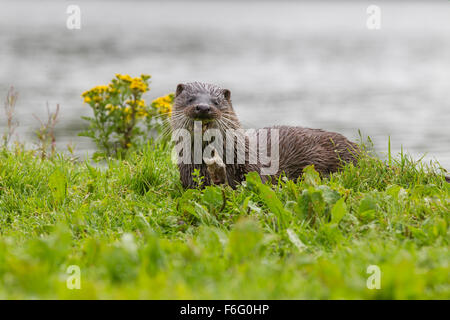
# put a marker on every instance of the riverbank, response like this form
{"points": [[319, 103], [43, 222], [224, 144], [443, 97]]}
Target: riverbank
{"points": [[130, 231]]}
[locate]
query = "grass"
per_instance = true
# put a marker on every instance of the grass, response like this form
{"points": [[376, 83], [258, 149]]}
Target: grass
{"points": [[136, 234]]}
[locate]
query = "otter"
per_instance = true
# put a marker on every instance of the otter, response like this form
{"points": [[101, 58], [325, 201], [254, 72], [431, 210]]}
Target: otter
{"points": [[298, 147]]}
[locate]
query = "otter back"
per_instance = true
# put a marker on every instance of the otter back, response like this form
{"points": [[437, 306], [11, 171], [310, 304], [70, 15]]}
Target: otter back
{"points": [[297, 147], [300, 147]]}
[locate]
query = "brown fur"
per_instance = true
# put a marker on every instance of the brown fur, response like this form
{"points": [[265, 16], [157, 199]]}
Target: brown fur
{"points": [[298, 147]]}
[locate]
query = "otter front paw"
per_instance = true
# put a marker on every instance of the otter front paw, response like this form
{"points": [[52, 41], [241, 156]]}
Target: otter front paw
{"points": [[216, 169]]}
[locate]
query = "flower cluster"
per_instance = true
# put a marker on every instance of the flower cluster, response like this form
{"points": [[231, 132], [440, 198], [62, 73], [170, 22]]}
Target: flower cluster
{"points": [[95, 95], [137, 84], [118, 107], [121, 114], [163, 105], [110, 97], [122, 85]]}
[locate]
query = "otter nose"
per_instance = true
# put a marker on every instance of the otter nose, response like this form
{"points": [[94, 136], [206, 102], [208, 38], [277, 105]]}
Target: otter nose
{"points": [[202, 108]]}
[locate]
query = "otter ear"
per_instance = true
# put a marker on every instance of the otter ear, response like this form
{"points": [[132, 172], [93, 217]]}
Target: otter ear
{"points": [[227, 94], [180, 88]]}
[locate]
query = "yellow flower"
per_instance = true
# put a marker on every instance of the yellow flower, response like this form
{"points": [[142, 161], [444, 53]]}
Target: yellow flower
{"points": [[102, 88], [87, 100], [164, 104], [138, 84], [141, 113], [125, 77]]}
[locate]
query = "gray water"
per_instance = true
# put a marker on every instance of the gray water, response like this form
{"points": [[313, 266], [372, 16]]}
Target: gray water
{"points": [[312, 64]]}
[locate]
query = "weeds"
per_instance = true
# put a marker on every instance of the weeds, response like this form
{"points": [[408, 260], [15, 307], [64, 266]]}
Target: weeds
{"points": [[11, 122], [46, 134], [135, 233]]}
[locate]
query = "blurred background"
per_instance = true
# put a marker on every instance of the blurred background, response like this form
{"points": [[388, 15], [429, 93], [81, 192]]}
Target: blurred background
{"points": [[309, 63]]}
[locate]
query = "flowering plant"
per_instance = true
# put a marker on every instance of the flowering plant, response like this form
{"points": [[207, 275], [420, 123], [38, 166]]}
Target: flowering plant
{"points": [[119, 109], [161, 109]]}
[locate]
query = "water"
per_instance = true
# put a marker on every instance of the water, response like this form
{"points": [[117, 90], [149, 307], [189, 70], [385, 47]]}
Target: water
{"points": [[310, 64]]}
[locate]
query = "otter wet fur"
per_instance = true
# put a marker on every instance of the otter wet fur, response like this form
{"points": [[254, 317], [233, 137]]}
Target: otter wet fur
{"points": [[298, 147]]}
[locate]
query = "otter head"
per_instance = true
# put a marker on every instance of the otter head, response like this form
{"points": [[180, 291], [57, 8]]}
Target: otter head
{"points": [[210, 104]]}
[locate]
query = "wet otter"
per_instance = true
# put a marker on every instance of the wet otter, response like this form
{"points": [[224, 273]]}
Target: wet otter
{"points": [[298, 147]]}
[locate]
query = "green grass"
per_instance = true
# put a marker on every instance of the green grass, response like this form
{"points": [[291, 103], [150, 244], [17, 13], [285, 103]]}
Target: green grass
{"points": [[136, 234]]}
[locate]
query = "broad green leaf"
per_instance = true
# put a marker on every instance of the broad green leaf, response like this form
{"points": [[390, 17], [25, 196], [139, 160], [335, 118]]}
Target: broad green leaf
{"points": [[268, 196], [212, 196], [253, 180], [329, 195], [338, 211], [366, 204], [311, 176]]}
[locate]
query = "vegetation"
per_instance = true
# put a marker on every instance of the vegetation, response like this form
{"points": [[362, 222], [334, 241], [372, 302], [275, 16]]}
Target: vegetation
{"points": [[121, 118], [126, 229], [135, 233]]}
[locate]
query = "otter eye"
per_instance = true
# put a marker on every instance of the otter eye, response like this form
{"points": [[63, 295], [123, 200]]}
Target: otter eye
{"points": [[190, 100], [215, 102]]}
